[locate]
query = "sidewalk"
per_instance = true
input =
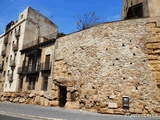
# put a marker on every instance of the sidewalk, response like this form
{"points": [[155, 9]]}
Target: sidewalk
{"points": [[36, 112]]}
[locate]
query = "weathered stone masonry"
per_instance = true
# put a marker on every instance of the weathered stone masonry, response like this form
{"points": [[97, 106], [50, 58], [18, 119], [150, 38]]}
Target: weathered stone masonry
{"points": [[94, 68], [107, 62]]}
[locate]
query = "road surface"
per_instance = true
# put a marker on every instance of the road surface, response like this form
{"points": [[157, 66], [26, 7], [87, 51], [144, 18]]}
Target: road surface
{"points": [[35, 112]]}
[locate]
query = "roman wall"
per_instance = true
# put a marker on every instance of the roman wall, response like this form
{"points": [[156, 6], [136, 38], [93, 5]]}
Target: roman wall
{"points": [[102, 64]]}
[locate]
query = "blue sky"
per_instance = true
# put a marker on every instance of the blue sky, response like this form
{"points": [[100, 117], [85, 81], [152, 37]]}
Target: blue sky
{"points": [[61, 12]]}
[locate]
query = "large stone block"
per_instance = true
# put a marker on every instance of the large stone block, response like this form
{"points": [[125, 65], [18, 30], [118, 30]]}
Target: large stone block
{"points": [[32, 95], [37, 100], [64, 81], [53, 103], [72, 105], [21, 100], [46, 102], [16, 99], [54, 87], [138, 111], [112, 105], [106, 111]]}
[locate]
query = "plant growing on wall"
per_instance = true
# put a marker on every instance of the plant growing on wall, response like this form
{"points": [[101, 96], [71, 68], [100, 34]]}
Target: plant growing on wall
{"points": [[87, 20]]}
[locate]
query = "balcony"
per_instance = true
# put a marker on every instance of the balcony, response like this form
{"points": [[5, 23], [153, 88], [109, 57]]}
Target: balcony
{"points": [[40, 42], [12, 63], [29, 69], [22, 70], [1, 67], [45, 66], [15, 47], [17, 33], [10, 78], [6, 39], [3, 53]]}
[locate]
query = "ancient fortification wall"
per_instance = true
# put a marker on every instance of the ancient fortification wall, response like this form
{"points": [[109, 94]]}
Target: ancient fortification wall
{"points": [[107, 62], [100, 65]]}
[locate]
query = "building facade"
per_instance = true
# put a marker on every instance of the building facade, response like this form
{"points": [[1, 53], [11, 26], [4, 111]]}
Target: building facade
{"points": [[30, 26], [140, 8]]}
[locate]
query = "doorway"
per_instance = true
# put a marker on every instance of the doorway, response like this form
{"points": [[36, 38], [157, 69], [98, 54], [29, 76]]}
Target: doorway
{"points": [[62, 96]]}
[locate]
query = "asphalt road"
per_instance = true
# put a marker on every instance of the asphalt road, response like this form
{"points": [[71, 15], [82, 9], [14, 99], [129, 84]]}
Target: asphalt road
{"points": [[6, 117], [35, 112]]}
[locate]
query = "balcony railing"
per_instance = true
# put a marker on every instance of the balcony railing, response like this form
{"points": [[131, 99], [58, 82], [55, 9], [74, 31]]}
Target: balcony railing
{"points": [[40, 41], [1, 67], [3, 53], [6, 39], [10, 77], [15, 47], [30, 44], [28, 69], [12, 63], [17, 33], [45, 66]]}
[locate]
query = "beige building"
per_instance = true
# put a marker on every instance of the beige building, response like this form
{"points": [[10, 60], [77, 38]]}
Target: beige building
{"points": [[140, 8], [1, 64], [18, 35]]}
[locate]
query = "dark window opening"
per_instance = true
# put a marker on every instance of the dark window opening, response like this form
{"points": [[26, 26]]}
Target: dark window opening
{"points": [[135, 11], [45, 83], [21, 84], [47, 61], [62, 96], [32, 81]]}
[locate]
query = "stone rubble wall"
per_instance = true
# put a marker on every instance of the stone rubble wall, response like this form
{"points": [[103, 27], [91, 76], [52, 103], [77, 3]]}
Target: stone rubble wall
{"points": [[41, 98], [107, 62]]}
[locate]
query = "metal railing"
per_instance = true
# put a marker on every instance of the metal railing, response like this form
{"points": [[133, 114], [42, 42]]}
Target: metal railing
{"points": [[1, 66], [28, 69], [12, 63], [6, 39], [15, 47], [40, 40], [10, 77], [3, 52], [17, 33], [45, 66]]}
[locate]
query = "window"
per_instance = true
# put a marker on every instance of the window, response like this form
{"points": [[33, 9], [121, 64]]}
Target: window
{"points": [[32, 81], [10, 57], [4, 73], [22, 16], [17, 41], [19, 28], [45, 83], [6, 59], [8, 73], [21, 84]]}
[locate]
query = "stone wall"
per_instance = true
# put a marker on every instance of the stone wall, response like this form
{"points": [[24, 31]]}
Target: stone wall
{"points": [[39, 98], [107, 62], [96, 67]]}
